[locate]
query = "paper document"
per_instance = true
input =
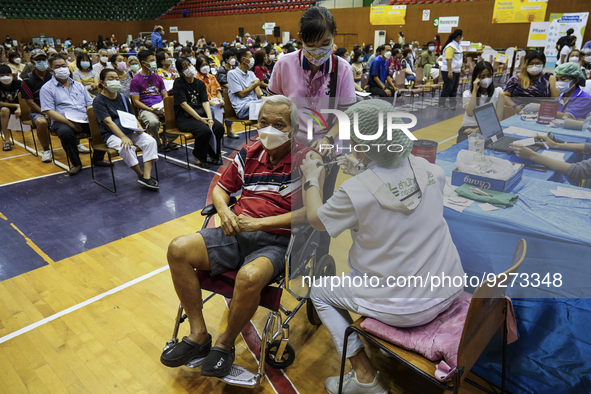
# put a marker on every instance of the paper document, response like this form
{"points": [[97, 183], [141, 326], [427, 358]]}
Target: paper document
{"points": [[553, 155], [522, 132], [218, 112], [255, 108], [15, 124], [571, 193], [457, 203], [213, 141], [128, 121], [77, 117], [525, 142], [487, 207], [168, 85], [160, 105]]}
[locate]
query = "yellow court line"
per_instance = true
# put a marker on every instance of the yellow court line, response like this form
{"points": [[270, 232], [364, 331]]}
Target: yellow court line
{"points": [[3, 217], [32, 245]]}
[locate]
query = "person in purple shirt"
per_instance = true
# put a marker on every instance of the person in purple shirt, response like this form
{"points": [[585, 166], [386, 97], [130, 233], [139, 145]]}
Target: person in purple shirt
{"points": [[587, 45], [157, 37], [147, 92], [574, 102]]}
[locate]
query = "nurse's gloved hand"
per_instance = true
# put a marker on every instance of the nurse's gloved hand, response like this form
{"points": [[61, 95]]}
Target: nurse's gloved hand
{"points": [[531, 108], [349, 164], [311, 168]]}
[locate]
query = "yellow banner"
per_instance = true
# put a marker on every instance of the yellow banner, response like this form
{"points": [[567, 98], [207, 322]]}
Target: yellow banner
{"points": [[519, 11], [388, 15]]}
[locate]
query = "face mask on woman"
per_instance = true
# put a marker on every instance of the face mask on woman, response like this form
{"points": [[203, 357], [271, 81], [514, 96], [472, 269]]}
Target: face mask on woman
{"points": [[85, 64], [318, 56], [564, 86], [121, 66], [113, 86], [168, 61], [232, 62], [573, 59], [485, 83], [17, 60], [205, 69], [432, 48], [271, 57], [6, 80], [190, 72], [535, 69], [135, 67]]}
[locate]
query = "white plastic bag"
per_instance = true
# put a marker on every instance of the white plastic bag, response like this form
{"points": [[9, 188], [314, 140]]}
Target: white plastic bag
{"points": [[478, 164]]}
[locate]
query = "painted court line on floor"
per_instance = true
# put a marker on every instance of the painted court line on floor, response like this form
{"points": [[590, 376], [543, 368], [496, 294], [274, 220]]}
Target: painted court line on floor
{"points": [[81, 305]]}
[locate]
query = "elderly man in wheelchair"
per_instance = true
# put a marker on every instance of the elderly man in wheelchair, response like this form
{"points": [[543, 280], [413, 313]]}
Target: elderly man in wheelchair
{"points": [[252, 238]]}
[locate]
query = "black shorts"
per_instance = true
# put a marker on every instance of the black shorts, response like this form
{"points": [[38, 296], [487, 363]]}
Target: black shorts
{"points": [[231, 253]]}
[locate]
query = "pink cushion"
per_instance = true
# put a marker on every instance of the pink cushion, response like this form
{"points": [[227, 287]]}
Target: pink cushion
{"points": [[437, 340]]}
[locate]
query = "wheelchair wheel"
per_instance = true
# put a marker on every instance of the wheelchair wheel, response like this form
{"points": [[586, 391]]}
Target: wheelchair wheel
{"points": [[324, 267], [287, 358]]}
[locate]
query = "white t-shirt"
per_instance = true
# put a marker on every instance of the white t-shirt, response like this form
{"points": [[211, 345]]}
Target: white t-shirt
{"points": [[470, 121], [565, 51], [412, 242]]}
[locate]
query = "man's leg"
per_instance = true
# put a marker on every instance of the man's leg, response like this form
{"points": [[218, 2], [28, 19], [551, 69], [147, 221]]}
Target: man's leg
{"points": [[152, 124], [185, 254], [149, 151], [42, 135], [68, 138], [250, 281], [4, 117]]}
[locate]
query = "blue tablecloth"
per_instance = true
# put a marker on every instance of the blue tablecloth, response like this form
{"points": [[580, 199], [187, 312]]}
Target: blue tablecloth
{"points": [[516, 121], [552, 354]]}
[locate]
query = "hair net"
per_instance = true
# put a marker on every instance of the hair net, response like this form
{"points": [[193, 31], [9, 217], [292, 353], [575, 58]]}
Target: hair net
{"points": [[572, 70], [368, 124]]}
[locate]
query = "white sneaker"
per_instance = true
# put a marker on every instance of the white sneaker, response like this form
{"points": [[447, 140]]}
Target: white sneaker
{"points": [[46, 158], [83, 149], [352, 386]]}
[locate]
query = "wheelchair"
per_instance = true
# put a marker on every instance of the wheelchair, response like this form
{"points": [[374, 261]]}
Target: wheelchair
{"points": [[300, 260]]}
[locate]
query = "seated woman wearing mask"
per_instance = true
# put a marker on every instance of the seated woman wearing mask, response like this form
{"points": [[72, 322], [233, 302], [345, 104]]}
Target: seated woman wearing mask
{"points": [[14, 62], [166, 68], [531, 82], [396, 231], [85, 74], [125, 76], [117, 137], [482, 90], [193, 115], [134, 64], [574, 102]]}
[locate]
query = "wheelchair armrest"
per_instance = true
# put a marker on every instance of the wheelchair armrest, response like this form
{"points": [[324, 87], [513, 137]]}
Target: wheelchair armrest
{"points": [[210, 209], [297, 230]]}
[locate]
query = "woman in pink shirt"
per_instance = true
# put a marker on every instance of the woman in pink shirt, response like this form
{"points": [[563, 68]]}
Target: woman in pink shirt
{"points": [[305, 75]]}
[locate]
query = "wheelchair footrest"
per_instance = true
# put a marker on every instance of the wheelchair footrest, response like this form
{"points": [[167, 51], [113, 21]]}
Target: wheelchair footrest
{"points": [[224, 284], [240, 376]]}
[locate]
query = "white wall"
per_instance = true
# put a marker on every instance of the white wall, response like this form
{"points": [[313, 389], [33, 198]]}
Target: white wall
{"points": [[340, 3]]}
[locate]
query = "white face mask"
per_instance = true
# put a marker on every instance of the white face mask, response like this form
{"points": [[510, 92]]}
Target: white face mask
{"points": [[232, 62], [271, 57], [193, 60], [204, 69], [432, 49], [207, 54], [271, 138], [588, 59], [485, 83], [6, 80], [113, 86], [563, 86], [17, 60], [190, 72], [250, 62], [535, 69], [103, 59], [573, 59], [387, 55], [62, 73]]}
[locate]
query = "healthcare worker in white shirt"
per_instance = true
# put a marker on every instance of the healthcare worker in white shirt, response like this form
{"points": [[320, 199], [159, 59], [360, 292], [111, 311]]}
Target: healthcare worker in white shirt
{"points": [[394, 211]]}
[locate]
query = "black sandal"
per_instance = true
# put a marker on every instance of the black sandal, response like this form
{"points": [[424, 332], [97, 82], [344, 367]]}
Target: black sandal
{"points": [[218, 363], [6, 146]]}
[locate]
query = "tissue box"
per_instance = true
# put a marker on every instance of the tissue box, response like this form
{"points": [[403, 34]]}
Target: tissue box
{"points": [[458, 178]]}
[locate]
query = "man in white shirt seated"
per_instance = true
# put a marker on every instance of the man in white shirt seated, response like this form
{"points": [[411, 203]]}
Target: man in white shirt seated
{"points": [[243, 85], [65, 101], [102, 63], [394, 211]]}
